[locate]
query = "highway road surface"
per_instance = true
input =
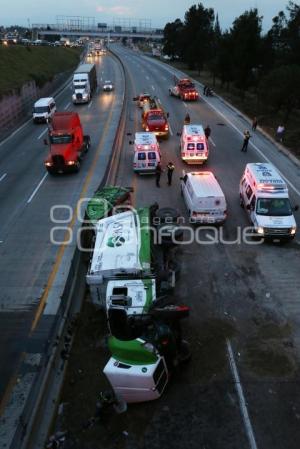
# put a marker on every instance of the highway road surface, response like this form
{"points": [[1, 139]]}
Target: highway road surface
{"points": [[27, 194], [241, 389]]}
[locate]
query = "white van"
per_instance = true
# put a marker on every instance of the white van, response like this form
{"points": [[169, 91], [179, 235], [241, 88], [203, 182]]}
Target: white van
{"points": [[264, 194], [43, 109], [146, 152], [193, 145], [204, 198]]}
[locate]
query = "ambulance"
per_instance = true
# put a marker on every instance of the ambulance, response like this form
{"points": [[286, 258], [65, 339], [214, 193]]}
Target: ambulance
{"points": [[265, 197], [146, 153], [193, 145], [204, 198]]}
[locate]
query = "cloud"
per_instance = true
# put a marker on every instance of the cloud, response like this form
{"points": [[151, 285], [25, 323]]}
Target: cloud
{"points": [[118, 10]]}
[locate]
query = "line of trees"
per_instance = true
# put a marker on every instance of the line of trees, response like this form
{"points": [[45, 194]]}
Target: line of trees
{"points": [[268, 64]]}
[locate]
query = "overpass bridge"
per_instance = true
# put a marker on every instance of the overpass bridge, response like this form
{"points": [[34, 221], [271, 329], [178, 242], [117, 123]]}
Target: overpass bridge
{"points": [[115, 31]]}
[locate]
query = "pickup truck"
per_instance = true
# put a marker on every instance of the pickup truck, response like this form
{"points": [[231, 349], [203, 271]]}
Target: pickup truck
{"points": [[184, 89], [67, 144]]}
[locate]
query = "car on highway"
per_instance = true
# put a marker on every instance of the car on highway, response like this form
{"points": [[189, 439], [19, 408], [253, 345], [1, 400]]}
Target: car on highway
{"points": [[107, 86]]}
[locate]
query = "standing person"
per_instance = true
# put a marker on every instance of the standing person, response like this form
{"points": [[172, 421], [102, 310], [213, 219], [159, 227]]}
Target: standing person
{"points": [[254, 123], [246, 141], [171, 168], [279, 133], [187, 119], [158, 172], [207, 132]]}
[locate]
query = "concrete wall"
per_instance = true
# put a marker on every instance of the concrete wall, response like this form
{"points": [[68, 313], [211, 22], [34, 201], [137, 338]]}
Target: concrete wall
{"points": [[16, 107]]}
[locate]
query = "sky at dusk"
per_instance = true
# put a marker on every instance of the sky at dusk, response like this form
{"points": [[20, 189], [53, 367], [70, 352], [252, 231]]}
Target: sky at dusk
{"points": [[22, 12]]}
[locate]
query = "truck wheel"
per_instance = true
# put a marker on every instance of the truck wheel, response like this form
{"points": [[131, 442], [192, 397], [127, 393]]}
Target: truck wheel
{"points": [[87, 142], [77, 167], [167, 214]]}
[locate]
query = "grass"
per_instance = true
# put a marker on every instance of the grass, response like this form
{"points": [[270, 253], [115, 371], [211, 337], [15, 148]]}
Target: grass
{"points": [[268, 119], [20, 64]]}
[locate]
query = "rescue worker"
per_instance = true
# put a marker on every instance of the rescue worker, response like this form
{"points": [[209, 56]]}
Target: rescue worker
{"points": [[246, 141], [170, 168], [207, 132], [187, 119], [158, 172]]}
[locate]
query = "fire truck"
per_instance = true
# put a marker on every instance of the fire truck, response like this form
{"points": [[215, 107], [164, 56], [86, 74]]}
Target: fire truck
{"points": [[184, 89], [154, 118]]}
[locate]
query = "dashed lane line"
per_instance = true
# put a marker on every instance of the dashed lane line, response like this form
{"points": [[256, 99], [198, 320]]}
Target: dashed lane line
{"points": [[212, 142], [67, 105], [37, 188], [3, 176], [42, 133], [91, 102]]}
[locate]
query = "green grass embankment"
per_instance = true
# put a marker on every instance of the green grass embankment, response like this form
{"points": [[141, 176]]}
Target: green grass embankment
{"points": [[20, 64]]}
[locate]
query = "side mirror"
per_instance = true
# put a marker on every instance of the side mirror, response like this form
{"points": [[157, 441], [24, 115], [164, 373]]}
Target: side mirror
{"points": [[296, 208], [128, 134], [135, 98], [46, 142], [131, 142], [178, 134], [168, 115]]}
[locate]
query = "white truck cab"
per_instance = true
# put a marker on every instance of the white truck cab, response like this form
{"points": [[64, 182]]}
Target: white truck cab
{"points": [[193, 144], [43, 109], [146, 152], [265, 196], [203, 197]]}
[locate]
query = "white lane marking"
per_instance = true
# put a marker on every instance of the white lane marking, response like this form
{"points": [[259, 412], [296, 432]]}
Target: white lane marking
{"points": [[42, 133], [67, 105], [3, 176], [239, 389], [185, 104], [153, 88], [255, 147], [91, 102], [37, 188], [170, 129], [15, 132], [147, 77], [210, 139]]}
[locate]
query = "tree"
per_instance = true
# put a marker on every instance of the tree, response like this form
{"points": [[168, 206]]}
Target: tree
{"points": [[172, 44], [281, 89], [198, 35], [246, 47]]}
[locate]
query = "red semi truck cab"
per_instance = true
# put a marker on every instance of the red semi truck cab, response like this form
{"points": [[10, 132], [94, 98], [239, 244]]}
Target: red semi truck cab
{"points": [[184, 89], [67, 143], [154, 119]]}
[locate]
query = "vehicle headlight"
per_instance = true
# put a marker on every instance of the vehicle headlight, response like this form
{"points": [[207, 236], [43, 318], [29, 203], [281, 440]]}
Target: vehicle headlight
{"points": [[149, 347], [293, 230], [260, 230]]}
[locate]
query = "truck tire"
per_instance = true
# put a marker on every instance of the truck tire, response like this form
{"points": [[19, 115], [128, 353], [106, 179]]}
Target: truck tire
{"points": [[87, 143], [77, 167], [166, 214]]}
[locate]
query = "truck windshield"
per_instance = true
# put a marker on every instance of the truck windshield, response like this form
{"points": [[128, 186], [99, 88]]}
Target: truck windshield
{"points": [[67, 138], [274, 207], [40, 109], [155, 116]]}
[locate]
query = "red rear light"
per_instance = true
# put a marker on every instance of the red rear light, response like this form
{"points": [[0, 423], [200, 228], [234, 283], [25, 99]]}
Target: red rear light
{"points": [[147, 128], [194, 214], [166, 127]]}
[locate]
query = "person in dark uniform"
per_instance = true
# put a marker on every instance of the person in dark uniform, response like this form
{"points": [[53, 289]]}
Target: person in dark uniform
{"points": [[246, 141], [207, 132], [158, 172], [170, 168]]}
